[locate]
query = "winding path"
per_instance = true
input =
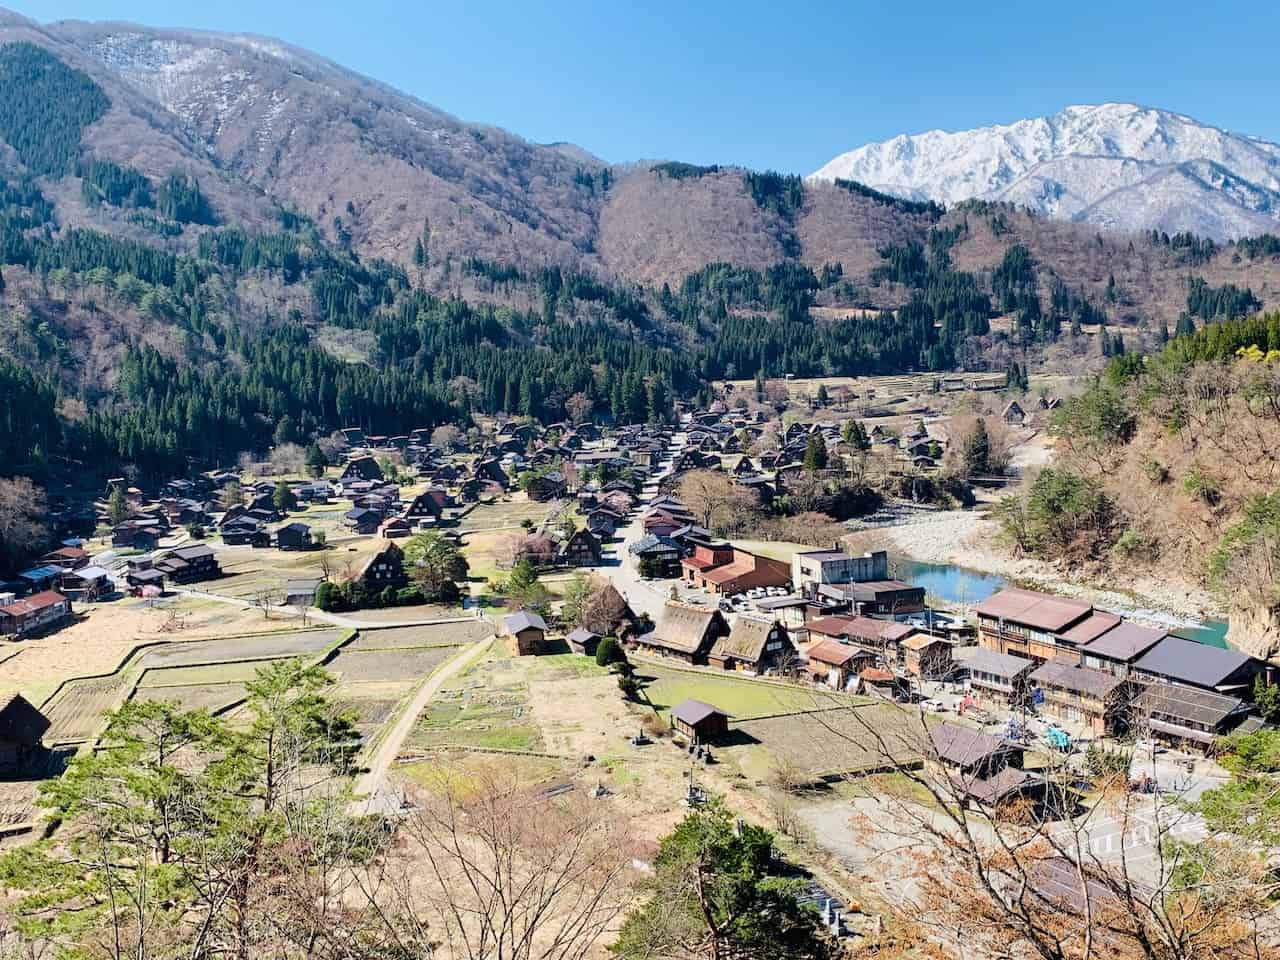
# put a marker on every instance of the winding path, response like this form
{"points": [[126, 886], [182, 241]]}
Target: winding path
{"points": [[373, 793]]}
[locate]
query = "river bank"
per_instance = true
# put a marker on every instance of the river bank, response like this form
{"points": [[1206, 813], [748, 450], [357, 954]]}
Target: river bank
{"points": [[968, 538]]}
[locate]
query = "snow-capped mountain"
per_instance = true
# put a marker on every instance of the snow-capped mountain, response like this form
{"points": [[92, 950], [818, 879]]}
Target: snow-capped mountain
{"points": [[1116, 164]]}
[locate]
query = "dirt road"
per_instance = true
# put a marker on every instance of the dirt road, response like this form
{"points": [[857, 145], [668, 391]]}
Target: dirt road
{"points": [[373, 793]]}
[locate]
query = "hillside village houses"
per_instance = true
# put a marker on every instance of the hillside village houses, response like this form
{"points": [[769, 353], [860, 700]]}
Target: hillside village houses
{"points": [[826, 616]]}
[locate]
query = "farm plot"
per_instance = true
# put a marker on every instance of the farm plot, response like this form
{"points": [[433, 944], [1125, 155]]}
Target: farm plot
{"points": [[76, 711], [271, 646], [432, 635], [827, 744], [203, 674], [487, 708], [194, 696], [362, 666]]}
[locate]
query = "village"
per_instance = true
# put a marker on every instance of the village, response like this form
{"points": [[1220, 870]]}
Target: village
{"points": [[637, 623]]}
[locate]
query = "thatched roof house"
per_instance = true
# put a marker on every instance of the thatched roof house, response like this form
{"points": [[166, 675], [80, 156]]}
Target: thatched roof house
{"points": [[685, 631]]}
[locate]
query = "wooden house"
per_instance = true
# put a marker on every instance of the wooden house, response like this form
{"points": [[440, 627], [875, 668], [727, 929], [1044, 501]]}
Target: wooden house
{"points": [[685, 632], [394, 528], [1013, 414], [583, 641], [699, 722], [754, 645], [1096, 698], [383, 569], [294, 536], [582, 549], [38, 613], [362, 468], [524, 632]]}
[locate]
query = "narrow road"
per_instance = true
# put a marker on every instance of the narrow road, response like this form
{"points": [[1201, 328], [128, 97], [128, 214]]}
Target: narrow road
{"points": [[373, 793]]}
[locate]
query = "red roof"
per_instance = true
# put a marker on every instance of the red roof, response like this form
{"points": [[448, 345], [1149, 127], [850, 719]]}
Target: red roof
{"points": [[876, 675], [833, 654], [33, 604]]}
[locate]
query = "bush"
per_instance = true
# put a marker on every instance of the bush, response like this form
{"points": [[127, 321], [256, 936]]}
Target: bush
{"points": [[609, 651], [1103, 763], [630, 687], [324, 596]]}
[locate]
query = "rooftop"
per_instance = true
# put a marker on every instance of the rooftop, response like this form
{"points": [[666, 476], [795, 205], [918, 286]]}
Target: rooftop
{"points": [[1044, 611]]}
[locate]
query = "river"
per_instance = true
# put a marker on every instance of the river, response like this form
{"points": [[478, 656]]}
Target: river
{"points": [[959, 586]]}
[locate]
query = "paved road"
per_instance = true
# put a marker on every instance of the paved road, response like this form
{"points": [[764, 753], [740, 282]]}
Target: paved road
{"points": [[644, 598], [374, 794]]}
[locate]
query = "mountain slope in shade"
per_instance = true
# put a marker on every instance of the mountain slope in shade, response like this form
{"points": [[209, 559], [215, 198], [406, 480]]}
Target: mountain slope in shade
{"points": [[1118, 165]]}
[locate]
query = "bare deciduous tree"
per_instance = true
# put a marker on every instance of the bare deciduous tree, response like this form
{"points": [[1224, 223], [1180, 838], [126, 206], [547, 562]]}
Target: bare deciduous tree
{"points": [[513, 874]]}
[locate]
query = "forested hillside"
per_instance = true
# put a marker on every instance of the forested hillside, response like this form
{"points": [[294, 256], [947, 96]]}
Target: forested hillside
{"points": [[1168, 463], [168, 299]]}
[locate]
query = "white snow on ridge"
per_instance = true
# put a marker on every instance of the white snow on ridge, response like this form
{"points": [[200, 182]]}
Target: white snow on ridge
{"points": [[1081, 163]]}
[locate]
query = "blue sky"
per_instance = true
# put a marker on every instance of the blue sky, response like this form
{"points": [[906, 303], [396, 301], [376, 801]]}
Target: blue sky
{"points": [[767, 85]]}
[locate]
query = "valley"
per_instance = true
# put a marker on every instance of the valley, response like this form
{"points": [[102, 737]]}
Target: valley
{"points": [[419, 541]]}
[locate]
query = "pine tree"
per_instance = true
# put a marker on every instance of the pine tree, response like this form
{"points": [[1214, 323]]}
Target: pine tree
{"points": [[815, 455], [977, 450], [316, 460], [118, 505]]}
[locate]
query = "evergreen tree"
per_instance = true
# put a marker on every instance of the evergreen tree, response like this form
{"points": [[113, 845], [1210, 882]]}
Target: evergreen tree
{"points": [[118, 505], [316, 460], [977, 451], [815, 454], [282, 497]]}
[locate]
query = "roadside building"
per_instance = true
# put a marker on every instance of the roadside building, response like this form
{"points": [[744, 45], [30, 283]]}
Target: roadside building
{"points": [[38, 613], [1026, 623], [685, 632], [998, 680], [1096, 698], [876, 598], [383, 569], [1188, 663], [815, 568], [656, 556], [1117, 650], [1186, 716], [742, 570], [927, 657], [836, 665], [301, 592], [582, 549], [294, 536]]}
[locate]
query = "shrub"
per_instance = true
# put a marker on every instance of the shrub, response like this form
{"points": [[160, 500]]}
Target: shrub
{"points": [[609, 651]]}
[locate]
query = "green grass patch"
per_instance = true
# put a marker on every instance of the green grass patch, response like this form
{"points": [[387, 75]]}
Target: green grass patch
{"points": [[739, 698]]}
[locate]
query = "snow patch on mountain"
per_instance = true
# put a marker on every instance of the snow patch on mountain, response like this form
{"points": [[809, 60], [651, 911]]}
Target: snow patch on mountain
{"points": [[1116, 164]]}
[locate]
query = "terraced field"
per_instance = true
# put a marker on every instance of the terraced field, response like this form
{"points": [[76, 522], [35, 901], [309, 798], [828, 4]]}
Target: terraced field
{"points": [[361, 666], [268, 647], [438, 634], [77, 710], [195, 696]]}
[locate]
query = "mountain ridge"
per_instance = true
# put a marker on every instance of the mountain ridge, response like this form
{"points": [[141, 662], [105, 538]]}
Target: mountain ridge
{"points": [[1064, 164]]}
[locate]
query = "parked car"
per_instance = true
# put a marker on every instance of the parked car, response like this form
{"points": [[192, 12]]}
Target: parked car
{"points": [[933, 706]]}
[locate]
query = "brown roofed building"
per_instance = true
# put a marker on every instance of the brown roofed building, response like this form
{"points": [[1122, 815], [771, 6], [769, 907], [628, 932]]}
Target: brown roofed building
{"points": [[754, 644], [684, 631], [37, 613], [1027, 623], [1096, 698], [836, 664], [742, 571], [699, 721]]}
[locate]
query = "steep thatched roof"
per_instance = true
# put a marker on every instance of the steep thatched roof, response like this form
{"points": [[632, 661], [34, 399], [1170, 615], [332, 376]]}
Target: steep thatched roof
{"points": [[686, 628], [746, 641]]}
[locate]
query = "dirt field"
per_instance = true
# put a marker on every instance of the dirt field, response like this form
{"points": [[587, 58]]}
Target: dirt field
{"points": [[486, 527], [442, 634], [277, 645], [194, 696], [362, 666]]}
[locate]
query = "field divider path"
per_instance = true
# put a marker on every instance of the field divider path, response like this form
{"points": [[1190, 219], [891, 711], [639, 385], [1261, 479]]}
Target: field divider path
{"points": [[370, 790]]}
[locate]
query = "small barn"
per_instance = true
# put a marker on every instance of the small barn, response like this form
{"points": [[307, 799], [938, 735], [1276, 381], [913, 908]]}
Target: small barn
{"points": [[699, 721], [584, 641], [524, 632]]}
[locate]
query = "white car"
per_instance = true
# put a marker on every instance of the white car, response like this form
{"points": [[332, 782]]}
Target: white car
{"points": [[933, 706], [1147, 747]]}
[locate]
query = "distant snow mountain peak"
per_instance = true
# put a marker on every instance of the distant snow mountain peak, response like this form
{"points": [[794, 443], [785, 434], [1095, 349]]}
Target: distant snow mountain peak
{"points": [[1119, 165]]}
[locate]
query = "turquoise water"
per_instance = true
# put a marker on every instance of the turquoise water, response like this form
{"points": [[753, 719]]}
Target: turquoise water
{"points": [[956, 585], [946, 581], [1212, 632]]}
